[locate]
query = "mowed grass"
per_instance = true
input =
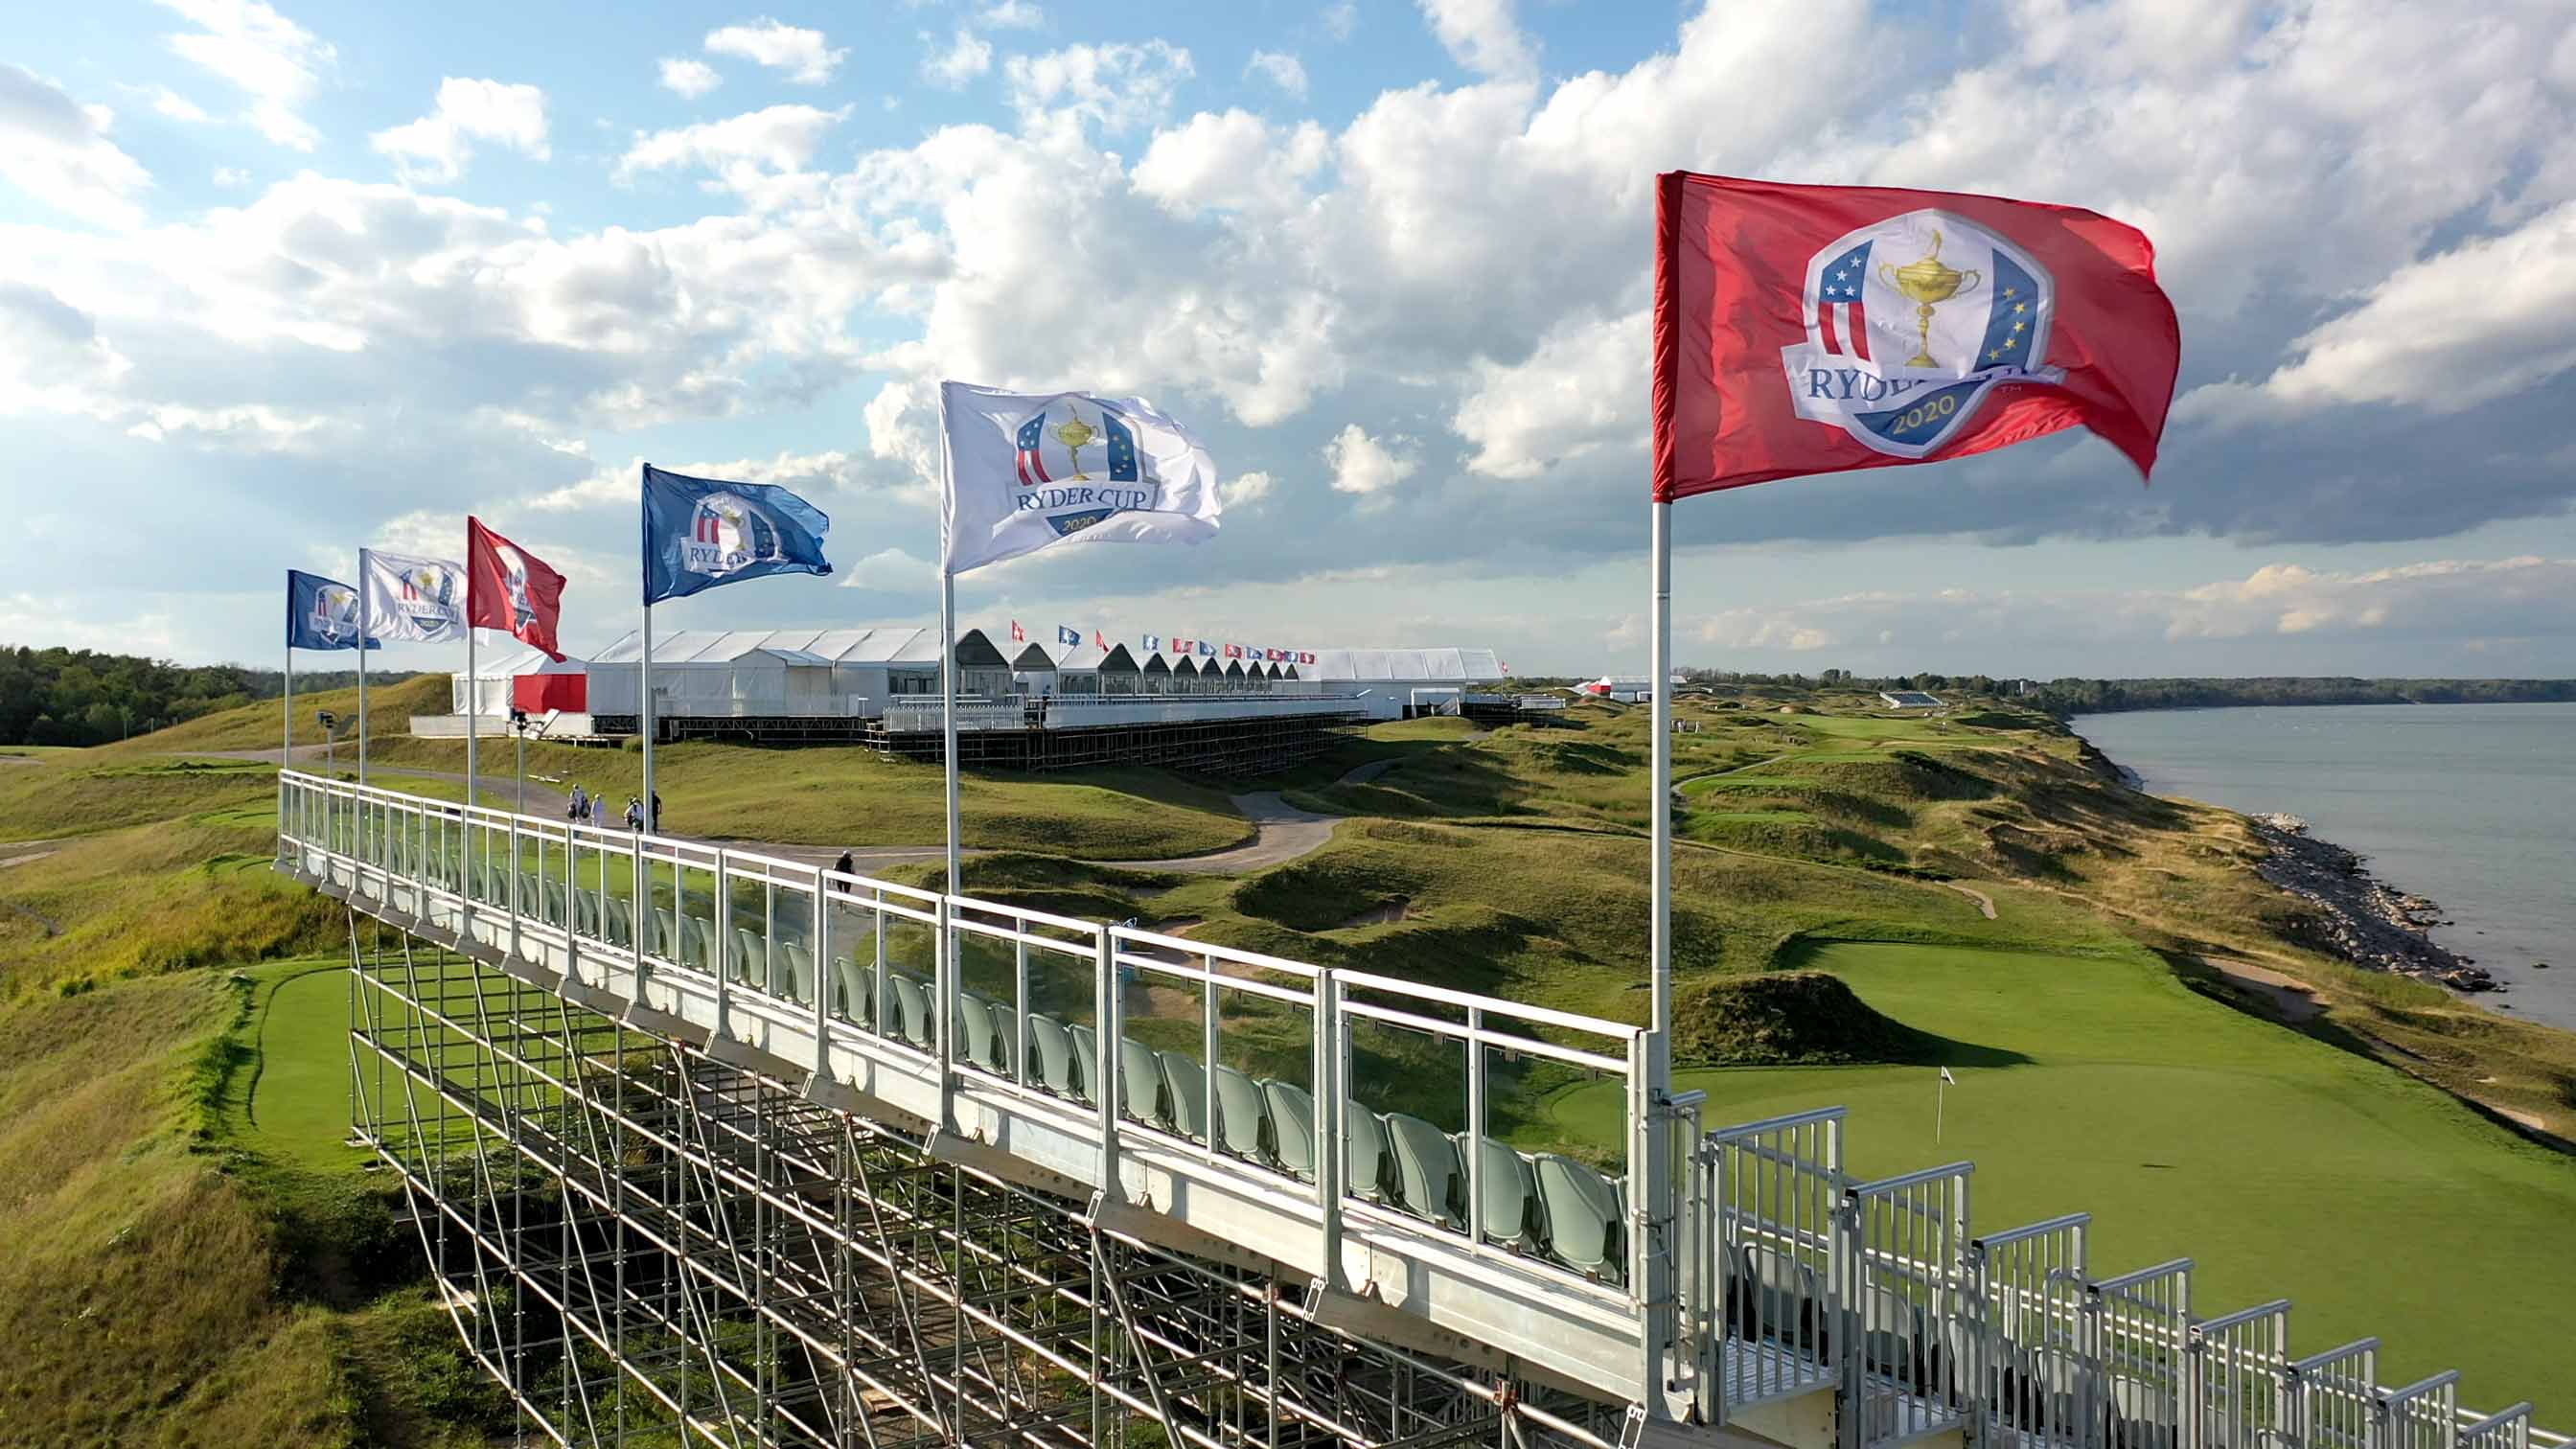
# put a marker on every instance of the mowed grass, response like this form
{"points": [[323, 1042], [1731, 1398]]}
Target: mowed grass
{"points": [[298, 1092], [77, 793], [257, 725], [849, 796], [2283, 1166]]}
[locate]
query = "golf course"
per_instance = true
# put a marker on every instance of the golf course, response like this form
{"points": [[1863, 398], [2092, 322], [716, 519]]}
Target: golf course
{"points": [[1982, 893]]}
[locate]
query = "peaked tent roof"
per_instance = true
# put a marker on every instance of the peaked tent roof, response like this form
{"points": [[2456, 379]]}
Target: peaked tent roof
{"points": [[899, 644]]}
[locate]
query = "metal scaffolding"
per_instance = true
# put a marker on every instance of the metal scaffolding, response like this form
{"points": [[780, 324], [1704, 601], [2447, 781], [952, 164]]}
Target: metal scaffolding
{"points": [[644, 1244]]}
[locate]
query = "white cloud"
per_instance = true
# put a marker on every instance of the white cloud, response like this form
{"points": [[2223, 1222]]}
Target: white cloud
{"points": [[272, 60], [1010, 15], [891, 569], [231, 176], [52, 359], [1230, 161], [437, 147], [1576, 393], [803, 54], [1364, 465], [57, 151], [689, 79], [746, 152], [1341, 18], [177, 107], [1119, 86], [2484, 320], [968, 55], [1246, 489], [1483, 36], [1283, 68]]}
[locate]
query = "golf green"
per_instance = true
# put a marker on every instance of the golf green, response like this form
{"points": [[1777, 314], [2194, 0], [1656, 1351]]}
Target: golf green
{"points": [[2283, 1166], [299, 1104]]}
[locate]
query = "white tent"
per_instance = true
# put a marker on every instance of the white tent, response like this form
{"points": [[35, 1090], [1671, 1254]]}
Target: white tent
{"points": [[1387, 678], [743, 673]]}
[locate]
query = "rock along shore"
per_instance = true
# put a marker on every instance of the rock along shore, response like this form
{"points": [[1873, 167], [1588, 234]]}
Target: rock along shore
{"points": [[2355, 916]]}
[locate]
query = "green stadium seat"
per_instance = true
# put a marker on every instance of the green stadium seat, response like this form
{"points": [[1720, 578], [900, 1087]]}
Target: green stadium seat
{"points": [[1584, 1227], [912, 1006], [1140, 1083], [1185, 1094], [750, 957], [1292, 1128], [1430, 1181], [1242, 1119], [983, 1046], [1053, 1048], [1086, 1062], [799, 985], [1507, 1193], [1366, 1163], [853, 992]]}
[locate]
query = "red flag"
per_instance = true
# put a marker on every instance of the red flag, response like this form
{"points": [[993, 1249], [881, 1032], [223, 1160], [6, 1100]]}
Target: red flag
{"points": [[508, 588], [1813, 329], [1099, 641], [1018, 634]]}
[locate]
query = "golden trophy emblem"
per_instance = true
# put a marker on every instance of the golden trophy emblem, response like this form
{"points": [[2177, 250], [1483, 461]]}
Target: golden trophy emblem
{"points": [[1926, 282], [1074, 432]]}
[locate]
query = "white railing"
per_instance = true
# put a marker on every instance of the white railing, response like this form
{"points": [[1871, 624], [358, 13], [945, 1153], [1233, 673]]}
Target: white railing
{"points": [[1181, 1047], [1207, 1066]]}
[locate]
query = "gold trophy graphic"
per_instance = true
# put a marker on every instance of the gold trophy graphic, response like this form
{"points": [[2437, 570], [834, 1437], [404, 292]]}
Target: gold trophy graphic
{"points": [[1926, 282], [1074, 432]]}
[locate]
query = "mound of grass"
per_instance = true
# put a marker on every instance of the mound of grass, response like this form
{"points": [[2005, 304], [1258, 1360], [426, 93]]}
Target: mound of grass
{"points": [[1777, 1018], [255, 726], [69, 795]]}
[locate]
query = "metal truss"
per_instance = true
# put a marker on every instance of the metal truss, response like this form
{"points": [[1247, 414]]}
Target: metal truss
{"points": [[645, 1245]]}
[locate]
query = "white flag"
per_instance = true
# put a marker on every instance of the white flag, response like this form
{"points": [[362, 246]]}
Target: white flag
{"points": [[1945, 1076], [1028, 470], [412, 598]]}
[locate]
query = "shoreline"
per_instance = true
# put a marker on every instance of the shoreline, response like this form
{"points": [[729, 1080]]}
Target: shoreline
{"points": [[2357, 918]]}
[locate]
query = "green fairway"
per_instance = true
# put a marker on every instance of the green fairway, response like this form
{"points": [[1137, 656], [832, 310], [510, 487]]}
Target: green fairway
{"points": [[299, 1093], [2285, 1167]]}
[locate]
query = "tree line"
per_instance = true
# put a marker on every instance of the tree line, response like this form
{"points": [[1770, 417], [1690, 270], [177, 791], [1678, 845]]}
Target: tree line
{"points": [[83, 697], [2103, 696]]}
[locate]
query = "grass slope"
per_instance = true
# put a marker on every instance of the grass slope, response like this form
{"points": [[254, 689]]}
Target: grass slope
{"points": [[256, 726]]}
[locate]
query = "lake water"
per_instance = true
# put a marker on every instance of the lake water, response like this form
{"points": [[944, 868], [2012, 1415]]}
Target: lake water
{"points": [[2473, 805]]}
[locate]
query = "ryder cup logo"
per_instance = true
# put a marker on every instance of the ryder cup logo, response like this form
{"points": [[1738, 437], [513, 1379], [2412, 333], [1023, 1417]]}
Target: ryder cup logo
{"points": [[1911, 322], [335, 614], [514, 581], [729, 534]]}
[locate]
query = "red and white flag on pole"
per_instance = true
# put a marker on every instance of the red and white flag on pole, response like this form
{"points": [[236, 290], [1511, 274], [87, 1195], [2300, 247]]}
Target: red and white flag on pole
{"points": [[1814, 329], [1018, 634], [508, 588]]}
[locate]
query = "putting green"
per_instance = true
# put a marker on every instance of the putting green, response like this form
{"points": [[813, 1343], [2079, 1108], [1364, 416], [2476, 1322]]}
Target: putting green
{"points": [[299, 1105], [2285, 1167]]}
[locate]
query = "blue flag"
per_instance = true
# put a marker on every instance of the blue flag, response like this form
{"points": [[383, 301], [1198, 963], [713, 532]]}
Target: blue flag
{"points": [[321, 613], [701, 532], [1067, 637]]}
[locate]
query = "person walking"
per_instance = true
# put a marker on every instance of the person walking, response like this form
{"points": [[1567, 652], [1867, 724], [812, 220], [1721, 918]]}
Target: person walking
{"points": [[657, 812], [579, 811], [634, 814], [845, 865]]}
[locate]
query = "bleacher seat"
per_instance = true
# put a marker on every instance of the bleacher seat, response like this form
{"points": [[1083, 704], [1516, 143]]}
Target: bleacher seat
{"points": [[750, 957], [1776, 1296], [1242, 1120], [1086, 1062], [799, 985], [1367, 1166], [1428, 1177], [1507, 1188], [1184, 1095], [982, 1046], [1140, 1083], [853, 991], [912, 1009], [698, 944], [1584, 1228], [1053, 1048], [1292, 1128]]}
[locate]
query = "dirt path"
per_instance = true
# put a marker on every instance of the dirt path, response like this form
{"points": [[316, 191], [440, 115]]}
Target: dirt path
{"points": [[2290, 997], [1985, 903]]}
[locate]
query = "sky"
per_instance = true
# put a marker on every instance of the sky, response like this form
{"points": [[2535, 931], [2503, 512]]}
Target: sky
{"points": [[278, 282]]}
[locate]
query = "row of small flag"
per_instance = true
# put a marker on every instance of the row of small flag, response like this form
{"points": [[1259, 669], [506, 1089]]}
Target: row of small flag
{"points": [[1071, 638]]}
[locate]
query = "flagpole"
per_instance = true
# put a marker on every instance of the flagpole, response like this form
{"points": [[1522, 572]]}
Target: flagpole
{"points": [[365, 586], [1657, 1203], [644, 714], [473, 682], [286, 748], [948, 711], [1940, 1105]]}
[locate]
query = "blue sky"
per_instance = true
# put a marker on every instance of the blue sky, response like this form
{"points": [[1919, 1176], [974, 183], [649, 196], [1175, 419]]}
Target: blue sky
{"points": [[278, 281]]}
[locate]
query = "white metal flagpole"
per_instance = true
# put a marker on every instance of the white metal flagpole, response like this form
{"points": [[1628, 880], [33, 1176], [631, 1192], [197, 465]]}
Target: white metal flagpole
{"points": [[286, 747], [948, 712], [363, 591], [644, 714], [473, 692]]}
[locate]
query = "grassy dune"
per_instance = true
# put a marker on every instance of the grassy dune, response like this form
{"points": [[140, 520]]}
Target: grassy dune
{"points": [[256, 726]]}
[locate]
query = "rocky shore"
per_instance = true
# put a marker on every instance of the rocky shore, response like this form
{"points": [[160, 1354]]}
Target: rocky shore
{"points": [[2357, 917]]}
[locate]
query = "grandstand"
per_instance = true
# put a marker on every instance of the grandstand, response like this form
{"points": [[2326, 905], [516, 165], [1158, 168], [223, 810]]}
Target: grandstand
{"points": [[1910, 699]]}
